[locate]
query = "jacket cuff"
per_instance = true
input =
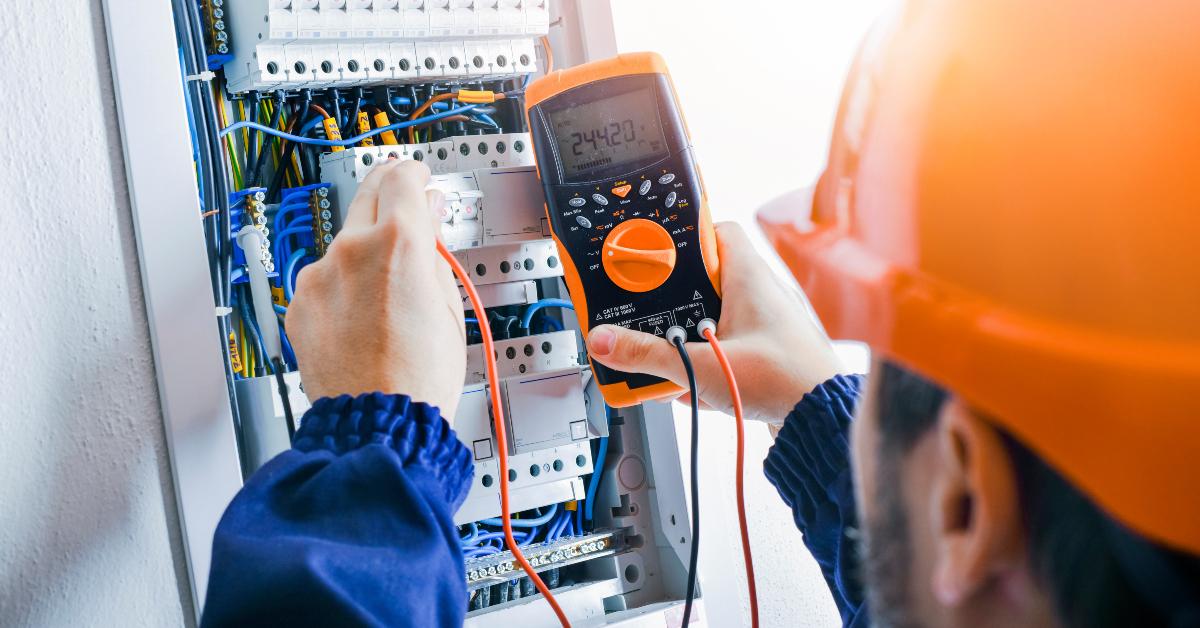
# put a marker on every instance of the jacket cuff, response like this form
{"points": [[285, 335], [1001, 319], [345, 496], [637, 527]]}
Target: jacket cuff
{"points": [[809, 464], [415, 431]]}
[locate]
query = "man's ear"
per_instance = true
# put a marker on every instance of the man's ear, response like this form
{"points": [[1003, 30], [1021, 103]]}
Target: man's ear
{"points": [[977, 527]]}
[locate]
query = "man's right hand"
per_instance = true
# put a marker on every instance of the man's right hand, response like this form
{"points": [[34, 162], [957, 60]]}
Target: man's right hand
{"points": [[777, 350]]}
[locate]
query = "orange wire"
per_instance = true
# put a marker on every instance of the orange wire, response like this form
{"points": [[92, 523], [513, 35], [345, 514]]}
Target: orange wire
{"points": [[412, 132], [549, 54], [489, 354], [740, 464]]}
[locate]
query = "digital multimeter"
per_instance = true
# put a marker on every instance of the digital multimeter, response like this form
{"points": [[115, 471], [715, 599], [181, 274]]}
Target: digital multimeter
{"points": [[626, 206]]}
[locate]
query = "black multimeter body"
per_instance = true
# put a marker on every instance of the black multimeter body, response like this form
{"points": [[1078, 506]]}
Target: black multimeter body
{"points": [[635, 199]]}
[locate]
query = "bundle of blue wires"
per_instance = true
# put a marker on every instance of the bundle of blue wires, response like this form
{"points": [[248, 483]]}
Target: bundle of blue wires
{"points": [[556, 523]]}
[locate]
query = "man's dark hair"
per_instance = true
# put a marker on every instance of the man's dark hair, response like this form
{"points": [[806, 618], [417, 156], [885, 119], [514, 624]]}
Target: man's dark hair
{"points": [[1098, 573]]}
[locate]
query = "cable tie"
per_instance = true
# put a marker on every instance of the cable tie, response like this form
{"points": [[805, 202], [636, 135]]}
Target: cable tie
{"points": [[224, 311], [206, 76]]}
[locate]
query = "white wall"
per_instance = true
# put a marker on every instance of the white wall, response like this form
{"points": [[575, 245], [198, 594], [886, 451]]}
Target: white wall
{"points": [[87, 514], [782, 63]]}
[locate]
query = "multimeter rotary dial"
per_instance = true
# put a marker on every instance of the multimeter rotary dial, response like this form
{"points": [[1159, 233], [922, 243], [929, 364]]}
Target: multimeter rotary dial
{"points": [[638, 255]]}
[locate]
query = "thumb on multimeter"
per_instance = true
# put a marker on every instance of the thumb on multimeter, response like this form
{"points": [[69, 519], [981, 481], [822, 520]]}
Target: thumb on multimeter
{"points": [[637, 352]]}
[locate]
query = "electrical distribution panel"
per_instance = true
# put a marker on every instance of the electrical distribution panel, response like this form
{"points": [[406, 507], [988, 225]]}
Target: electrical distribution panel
{"points": [[441, 81]]}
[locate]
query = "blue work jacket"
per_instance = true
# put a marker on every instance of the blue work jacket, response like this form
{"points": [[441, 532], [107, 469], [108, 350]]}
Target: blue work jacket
{"points": [[353, 526]]}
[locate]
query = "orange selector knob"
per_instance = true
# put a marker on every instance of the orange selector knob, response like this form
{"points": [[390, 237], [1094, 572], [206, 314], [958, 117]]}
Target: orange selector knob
{"points": [[639, 255]]}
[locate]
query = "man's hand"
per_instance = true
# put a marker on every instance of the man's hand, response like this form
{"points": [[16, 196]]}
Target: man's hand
{"points": [[777, 350], [381, 311]]}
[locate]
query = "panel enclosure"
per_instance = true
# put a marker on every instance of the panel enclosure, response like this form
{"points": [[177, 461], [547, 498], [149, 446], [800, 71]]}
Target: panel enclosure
{"points": [[221, 410]]}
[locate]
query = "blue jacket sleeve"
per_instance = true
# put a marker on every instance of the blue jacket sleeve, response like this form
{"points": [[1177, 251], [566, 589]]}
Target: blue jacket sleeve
{"points": [[351, 527], [809, 465]]}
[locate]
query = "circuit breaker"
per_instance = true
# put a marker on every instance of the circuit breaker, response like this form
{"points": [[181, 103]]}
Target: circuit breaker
{"points": [[321, 92]]}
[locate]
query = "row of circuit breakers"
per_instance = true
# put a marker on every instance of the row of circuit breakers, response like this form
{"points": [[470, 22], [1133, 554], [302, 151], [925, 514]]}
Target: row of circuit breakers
{"points": [[494, 221], [284, 44]]}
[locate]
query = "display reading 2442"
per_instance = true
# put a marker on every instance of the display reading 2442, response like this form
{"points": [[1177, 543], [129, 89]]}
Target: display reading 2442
{"points": [[610, 135]]}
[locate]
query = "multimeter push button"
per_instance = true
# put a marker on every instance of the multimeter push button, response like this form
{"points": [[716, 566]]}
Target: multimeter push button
{"points": [[600, 199], [671, 200], [666, 178], [578, 201], [583, 222], [639, 255], [644, 188], [622, 190]]}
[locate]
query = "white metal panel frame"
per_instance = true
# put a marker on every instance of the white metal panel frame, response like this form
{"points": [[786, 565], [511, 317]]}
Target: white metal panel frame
{"points": [[192, 389]]}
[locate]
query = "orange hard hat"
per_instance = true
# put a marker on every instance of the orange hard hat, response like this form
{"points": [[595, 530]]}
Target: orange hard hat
{"points": [[1012, 208]]}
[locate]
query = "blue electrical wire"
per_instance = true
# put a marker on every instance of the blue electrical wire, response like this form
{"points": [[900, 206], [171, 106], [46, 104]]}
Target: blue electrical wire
{"points": [[556, 530], [286, 208], [527, 523], [279, 309], [303, 221], [346, 142], [484, 537], [471, 538], [597, 470], [312, 124], [485, 550], [289, 270], [486, 118], [549, 324], [282, 236], [544, 303], [249, 320], [297, 195]]}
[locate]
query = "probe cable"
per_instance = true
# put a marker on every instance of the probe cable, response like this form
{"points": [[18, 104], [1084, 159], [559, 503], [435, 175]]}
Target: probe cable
{"points": [[288, 417], [676, 335], [707, 328], [501, 437]]}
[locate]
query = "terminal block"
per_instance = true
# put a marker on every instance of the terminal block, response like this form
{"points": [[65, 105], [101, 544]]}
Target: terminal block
{"points": [[323, 219], [247, 208]]}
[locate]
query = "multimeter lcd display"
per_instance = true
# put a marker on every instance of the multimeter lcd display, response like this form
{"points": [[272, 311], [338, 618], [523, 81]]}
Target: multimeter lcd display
{"points": [[608, 132]]}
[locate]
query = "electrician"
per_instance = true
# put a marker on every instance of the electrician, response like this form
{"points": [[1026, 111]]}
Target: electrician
{"points": [[1009, 218]]}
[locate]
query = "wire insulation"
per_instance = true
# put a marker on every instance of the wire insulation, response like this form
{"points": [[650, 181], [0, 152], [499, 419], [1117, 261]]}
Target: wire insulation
{"points": [[740, 464], [493, 377], [695, 475], [544, 303]]}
